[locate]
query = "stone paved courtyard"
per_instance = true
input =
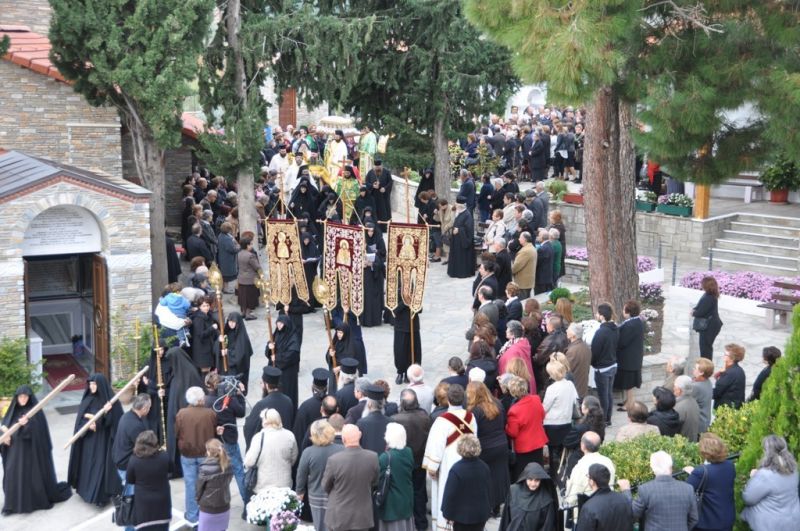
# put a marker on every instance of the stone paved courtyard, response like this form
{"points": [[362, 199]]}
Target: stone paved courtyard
{"points": [[443, 322]]}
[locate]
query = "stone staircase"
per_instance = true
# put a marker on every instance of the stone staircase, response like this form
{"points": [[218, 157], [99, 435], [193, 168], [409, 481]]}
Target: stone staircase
{"points": [[755, 242]]}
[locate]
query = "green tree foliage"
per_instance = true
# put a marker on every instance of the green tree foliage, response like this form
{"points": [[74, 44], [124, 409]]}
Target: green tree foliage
{"points": [[776, 411], [5, 42], [136, 57]]}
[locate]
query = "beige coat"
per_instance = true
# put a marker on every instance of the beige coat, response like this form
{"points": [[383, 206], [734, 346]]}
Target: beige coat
{"points": [[278, 454], [523, 268]]}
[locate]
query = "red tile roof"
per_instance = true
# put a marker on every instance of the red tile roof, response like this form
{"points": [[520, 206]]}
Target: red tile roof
{"points": [[32, 50]]}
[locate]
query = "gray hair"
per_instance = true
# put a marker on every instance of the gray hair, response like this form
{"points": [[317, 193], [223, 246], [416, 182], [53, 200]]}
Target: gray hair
{"points": [[408, 400], [527, 215], [661, 463], [539, 186], [345, 378], [195, 396], [141, 401], [498, 182], [501, 242], [362, 383], [554, 234], [678, 365], [415, 373], [777, 456], [373, 405], [684, 383], [207, 214], [515, 327], [468, 446], [576, 329], [395, 436]]}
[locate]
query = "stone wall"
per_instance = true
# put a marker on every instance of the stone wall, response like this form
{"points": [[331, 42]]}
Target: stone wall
{"points": [[43, 117], [32, 13], [125, 228], [686, 238]]}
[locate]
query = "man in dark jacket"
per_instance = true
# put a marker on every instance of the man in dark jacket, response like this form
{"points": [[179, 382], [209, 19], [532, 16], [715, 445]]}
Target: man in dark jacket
{"points": [[373, 424], [130, 425], [227, 401], [502, 260], [604, 357], [467, 190], [605, 510], [379, 182], [556, 341], [311, 409], [273, 399], [417, 424], [196, 245]]}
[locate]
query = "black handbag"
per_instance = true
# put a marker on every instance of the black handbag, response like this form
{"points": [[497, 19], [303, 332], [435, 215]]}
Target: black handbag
{"points": [[381, 492], [123, 510], [701, 490], [700, 324], [251, 476]]}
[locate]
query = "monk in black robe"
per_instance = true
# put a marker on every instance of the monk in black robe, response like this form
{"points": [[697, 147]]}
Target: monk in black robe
{"points": [[184, 376], [239, 349], [461, 262], [347, 341], [309, 410], [285, 348], [92, 472], [310, 252], [426, 184], [149, 385], [29, 475], [273, 399], [363, 201], [379, 180], [374, 278], [402, 340], [304, 198]]}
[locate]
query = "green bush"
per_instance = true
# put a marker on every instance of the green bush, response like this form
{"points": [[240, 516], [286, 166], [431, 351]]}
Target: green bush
{"points": [[557, 293], [14, 367], [556, 188], [732, 425], [632, 458]]}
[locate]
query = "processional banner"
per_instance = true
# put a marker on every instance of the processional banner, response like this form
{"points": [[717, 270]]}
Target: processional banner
{"points": [[406, 263], [285, 262], [344, 260]]}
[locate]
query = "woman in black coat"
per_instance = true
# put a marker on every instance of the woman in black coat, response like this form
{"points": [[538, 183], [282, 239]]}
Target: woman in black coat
{"points": [[29, 475], [630, 353], [491, 418], [310, 252], [204, 334], [239, 350], [729, 389], [426, 183], [374, 278], [717, 511], [706, 314], [467, 493], [184, 375], [664, 415], [532, 503], [92, 472], [149, 470], [286, 349], [592, 419]]}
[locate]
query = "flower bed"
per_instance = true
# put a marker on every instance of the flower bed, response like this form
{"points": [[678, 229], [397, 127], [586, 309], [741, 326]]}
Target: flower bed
{"points": [[740, 284], [643, 263]]}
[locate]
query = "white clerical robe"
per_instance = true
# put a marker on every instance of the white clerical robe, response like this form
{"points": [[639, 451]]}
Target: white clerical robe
{"points": [[279, 164], [441, 456], [290, 181], [336, 154]]}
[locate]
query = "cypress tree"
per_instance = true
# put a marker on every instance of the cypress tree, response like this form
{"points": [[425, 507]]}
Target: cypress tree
{"points": [[137, 57]]}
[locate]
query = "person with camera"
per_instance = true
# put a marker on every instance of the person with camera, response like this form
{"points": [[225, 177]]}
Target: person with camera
{"points": [[225, 396]]}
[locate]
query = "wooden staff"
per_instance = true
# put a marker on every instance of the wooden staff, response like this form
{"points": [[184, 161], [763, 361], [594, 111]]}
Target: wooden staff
{"points": [[327, 317], [137, 338], [408, 194], [97, 416], [216, 281], [160, 379], [35, 409], [411, 327], [283, 203]]}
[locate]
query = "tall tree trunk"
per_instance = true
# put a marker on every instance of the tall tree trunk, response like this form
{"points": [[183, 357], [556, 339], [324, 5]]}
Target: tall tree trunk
{"points": [[244, 179], [609, 190], [441, 159], [149, 160]]}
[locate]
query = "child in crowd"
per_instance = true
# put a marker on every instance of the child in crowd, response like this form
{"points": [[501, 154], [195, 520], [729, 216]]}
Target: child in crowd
{"points": [[172, 313]]}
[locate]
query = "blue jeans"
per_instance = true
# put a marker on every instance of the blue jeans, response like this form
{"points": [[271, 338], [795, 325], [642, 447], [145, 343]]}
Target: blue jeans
{"points": [[235, 455], [127, 490], [605, 390], [191, 466]]}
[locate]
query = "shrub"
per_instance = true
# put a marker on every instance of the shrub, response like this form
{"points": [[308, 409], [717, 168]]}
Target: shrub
{"points": [[557, 293], [632, 458], [676, 200], [741, 284], [651, 292], [14, 367], [732, 425], [556, 188]]}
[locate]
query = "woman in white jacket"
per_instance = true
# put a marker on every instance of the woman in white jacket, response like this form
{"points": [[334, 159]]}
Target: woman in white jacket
{"points": [[278, 452], [496, 229], [559, 400]]}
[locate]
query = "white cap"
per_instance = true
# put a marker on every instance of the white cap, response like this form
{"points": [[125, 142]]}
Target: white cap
{"points": [[476, 374]]}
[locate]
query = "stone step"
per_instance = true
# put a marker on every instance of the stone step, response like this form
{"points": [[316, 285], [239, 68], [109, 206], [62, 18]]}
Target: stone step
{"points": [[765, 219], [788, 241], [757, 247], [756, 259], [762, 228], [737, 265]]}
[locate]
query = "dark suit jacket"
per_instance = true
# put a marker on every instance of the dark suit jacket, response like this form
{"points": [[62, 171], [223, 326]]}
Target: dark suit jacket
{"points": [[538, 155], [502, 273], [729, 390], [373, 428], [605, 511], [355, 412], [348, 479], [514, 310], [196, 246], [467, 189], [466, 498], [417, 424], [665, 504], [491, 312]]}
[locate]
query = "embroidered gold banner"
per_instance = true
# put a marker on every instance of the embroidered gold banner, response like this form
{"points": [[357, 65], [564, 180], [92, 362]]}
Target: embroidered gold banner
{"points": [[406, 264], [344, 260], [285, 261]]}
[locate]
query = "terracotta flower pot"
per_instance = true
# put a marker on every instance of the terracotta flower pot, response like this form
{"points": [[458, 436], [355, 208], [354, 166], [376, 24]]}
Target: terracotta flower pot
{"points": [[575, 199], [779, 196]]}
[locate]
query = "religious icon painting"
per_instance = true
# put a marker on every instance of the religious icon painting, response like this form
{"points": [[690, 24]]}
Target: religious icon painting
{"points": [[285, 261], [344, 262], [406, 264]]}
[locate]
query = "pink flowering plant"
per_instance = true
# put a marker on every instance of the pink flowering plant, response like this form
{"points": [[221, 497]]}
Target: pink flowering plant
{"points": [[643, 263], [741, 284]]}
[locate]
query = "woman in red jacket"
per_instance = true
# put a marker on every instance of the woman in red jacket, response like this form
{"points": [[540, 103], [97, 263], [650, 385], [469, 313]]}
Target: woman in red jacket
{"points": [[525, 426]]}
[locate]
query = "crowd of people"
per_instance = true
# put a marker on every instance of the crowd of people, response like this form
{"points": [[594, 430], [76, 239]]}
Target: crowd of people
{"points": [[513, 432]]}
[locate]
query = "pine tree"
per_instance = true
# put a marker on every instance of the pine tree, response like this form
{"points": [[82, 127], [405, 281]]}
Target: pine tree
{"points": [[137, 57], [777, 410], [5, 43]]}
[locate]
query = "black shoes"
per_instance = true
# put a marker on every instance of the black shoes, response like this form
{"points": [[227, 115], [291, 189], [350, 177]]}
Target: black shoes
{"points": [[399, 379]]}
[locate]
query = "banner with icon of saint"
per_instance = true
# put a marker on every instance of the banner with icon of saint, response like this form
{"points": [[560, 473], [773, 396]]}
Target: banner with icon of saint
{"points": [[406, 264], [285, 262]]}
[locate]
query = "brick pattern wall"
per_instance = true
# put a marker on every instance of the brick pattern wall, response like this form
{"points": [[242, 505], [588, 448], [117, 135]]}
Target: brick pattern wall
{"points": [[126, 247], [46, 118], [32, 13]]}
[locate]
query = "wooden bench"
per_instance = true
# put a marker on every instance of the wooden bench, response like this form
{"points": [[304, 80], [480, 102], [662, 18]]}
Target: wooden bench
{"points": [[782, 304], [749, 180]]}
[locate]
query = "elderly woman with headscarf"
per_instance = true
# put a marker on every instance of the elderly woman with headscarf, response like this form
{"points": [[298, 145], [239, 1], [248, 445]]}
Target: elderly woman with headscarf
{"points": [[284, 353], [532, 503]]}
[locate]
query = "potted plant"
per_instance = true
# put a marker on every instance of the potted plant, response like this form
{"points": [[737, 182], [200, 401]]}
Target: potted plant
{"points": [[780, 178], [675, 205], [556, 188], [15, 370], [646, 200]]}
